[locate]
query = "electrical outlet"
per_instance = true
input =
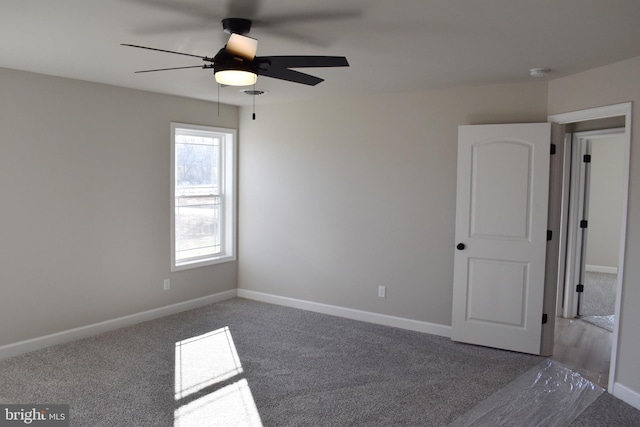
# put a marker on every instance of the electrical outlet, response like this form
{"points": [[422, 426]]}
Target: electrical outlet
{"points": [[167, 284], [382, 291]]}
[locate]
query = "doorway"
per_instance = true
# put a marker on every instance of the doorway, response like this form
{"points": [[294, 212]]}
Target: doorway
{"points": [[600, 185], [591, 265], [586, 347]]}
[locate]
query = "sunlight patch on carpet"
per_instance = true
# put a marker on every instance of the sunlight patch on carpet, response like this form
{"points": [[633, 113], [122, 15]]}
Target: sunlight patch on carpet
{"points": [[205, 360], [208, 389], [232, 405]]}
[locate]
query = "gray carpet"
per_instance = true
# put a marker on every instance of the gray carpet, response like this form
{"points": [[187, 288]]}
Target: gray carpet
{"points": [[599, 296], [290, 367], [608, 411]]}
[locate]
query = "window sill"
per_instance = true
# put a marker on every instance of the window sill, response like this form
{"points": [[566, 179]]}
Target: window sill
{"points": [[203, 263]]}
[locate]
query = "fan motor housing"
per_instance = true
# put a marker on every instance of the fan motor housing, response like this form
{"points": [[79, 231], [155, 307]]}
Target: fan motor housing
{"points": [[225, 61]]}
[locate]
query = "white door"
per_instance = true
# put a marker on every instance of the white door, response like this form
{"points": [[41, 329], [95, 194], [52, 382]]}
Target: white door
{"points": [[501, 234]]}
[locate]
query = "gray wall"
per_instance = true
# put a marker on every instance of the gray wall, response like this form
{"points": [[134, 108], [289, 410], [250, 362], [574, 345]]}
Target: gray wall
{"points": [[84, 223], [338, 197], [613, 84]]}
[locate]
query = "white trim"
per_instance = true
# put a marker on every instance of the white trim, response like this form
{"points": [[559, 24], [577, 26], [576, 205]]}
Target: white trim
{"points": [[201, 263], [600, 133], [349, 313], [601, 269], [33, 344], [623, 109], [627, 395], [563, 233], [592, 114]]}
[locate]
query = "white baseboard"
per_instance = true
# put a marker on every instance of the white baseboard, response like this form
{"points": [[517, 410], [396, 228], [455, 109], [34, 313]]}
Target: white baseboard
{"points": [[601, 269], [21, 347], [38, 343], [349, 313], [627, 395]]}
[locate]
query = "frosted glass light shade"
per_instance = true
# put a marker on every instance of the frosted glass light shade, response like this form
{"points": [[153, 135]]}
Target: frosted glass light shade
{"points": [[235, 77]]}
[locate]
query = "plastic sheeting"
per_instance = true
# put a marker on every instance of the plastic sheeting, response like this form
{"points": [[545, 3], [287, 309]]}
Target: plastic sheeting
{"points": [[605, 322], [549, 394]]}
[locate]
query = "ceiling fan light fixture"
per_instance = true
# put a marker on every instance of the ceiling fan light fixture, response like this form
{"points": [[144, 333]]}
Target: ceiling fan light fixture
{"points": [[232, 70], [236, 77]]}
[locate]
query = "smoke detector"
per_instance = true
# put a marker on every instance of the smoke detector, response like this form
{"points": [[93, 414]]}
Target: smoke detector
{"points": [[539, 72]]}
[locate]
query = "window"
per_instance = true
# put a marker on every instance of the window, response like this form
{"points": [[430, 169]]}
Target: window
{"points": [[202, 195]]}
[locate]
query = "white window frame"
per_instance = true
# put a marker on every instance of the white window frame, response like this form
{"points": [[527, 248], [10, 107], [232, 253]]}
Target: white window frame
{"points": [[227, 193]]}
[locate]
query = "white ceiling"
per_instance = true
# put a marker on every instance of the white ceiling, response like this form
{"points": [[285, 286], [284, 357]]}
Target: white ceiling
{"points": [[401, 45]]}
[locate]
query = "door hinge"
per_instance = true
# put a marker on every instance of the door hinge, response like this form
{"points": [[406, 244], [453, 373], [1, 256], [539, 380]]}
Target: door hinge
{"points": [[579, 288], [584, 223], [553, 149], [549, 235], [544, 318], [586, 158]]}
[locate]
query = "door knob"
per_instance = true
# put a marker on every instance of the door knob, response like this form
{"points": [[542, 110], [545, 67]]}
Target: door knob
{"points": [[460, 246]]}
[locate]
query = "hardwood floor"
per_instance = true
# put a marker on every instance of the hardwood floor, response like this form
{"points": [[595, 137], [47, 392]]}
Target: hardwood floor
{"points": [[583, 347]]}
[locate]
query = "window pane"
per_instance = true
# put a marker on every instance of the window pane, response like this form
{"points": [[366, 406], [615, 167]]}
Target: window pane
{"points": [[197, 166], [197, 227]]}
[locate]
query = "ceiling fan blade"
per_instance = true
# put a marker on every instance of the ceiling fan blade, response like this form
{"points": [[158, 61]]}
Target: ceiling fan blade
{"points": [[204, 58], [291, 76], [246, 8], [275, 20], [201, 25], [306, 61], [174, 68]]}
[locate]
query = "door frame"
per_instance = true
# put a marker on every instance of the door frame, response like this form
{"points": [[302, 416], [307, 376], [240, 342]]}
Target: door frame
{"points": [[617, 110]]}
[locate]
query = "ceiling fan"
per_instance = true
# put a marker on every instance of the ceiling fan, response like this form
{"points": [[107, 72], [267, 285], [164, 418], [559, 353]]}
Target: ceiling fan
{"points": [[236, 64]]}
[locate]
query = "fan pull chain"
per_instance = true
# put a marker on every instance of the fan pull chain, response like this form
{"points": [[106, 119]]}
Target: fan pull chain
{"points": [[218, 99], [254, 102]]}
